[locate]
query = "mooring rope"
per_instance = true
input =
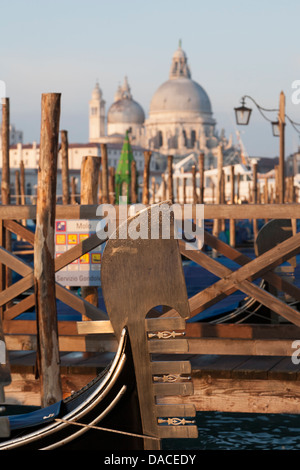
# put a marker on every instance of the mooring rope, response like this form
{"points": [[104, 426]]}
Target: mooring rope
{"points": [[98, 428]]}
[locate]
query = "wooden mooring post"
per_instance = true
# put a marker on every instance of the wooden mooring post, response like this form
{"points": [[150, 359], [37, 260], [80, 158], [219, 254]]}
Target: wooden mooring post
{"points": [[232, 201], [44, 277], [170, 178], [201, 176], [134, 195], [5, 183], [147, 157], [65, 167], [89, 195], [104, 171]]}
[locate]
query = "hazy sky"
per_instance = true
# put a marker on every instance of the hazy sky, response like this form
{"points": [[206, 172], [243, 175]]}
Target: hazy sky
{"points": [[234, 47]]}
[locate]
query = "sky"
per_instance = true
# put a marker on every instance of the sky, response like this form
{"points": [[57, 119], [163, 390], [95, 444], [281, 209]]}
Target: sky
{"points": [[234, 48]]}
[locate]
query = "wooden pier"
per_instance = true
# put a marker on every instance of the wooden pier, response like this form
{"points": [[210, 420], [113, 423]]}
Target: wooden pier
{"points": [[234, 367]]}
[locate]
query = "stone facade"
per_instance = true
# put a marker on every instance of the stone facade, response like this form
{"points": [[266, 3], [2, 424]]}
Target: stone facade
{"points": [[180, 118]]}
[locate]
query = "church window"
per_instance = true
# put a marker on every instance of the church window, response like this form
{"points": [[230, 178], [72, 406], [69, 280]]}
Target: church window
{"points": [[93, 111]]}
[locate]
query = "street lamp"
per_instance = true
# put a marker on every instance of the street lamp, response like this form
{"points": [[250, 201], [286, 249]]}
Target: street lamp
{"points": [[242, 115]]}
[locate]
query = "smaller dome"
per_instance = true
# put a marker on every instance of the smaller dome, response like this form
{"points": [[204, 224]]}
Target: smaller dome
{"points": [[125, 111]]}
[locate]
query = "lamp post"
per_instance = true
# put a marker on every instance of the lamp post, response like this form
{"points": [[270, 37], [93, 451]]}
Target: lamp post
{"points": [[242, 115]]}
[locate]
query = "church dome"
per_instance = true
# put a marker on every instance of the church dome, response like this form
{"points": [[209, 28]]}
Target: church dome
{"points": [[180, 94], [125, 110]]}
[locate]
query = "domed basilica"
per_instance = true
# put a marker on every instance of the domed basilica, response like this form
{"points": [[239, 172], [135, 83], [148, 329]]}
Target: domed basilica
{"points": [[180, 119]]}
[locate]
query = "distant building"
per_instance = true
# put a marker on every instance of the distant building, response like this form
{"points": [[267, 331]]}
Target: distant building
{"points": [[29, 155], [180, 118], [15, 136]]}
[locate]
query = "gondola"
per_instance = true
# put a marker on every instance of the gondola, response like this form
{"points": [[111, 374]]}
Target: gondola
{"points": [[109, 402]]}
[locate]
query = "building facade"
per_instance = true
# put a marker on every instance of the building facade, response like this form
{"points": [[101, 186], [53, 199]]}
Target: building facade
{"points": [[180, 118]]}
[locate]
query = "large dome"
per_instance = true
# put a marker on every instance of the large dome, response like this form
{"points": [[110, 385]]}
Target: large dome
{"points": [[180, 94], [125, 110]]}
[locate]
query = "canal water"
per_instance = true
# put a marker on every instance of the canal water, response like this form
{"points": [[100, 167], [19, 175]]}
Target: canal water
{"points": [[241, 431]]}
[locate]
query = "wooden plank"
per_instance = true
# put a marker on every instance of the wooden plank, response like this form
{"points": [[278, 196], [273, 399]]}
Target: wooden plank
{"points": [[241, 396], [256, 367], [14, 263], [238, 280], [93, 327], [285, 369], [79, 304], [243, 347], [159, 324], [177, 388], [29, 327], [178, 432], [16, 289], [211, 211], [216, 365], [253, 211], [168, 346], [242, 331], [241, 259], [19, 229], [175, 410], [20, 307], [171, 367], [94, 343]]}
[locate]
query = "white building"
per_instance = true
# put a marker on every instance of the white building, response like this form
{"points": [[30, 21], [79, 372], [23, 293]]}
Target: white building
{"points": [[29, 155], [180, 117]]}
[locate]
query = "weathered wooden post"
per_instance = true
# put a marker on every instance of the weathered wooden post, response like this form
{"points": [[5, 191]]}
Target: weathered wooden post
{"points": [[17, 187], [238, 184], [88, 195], [5, 181], [73, 190], [134, 196], [170, 178], [217, 222], [22, 184], [44, 277], [277, 188], [111, 185], [65, 167], [201, 176], [184, 189], [147, 157], [195, 196], [100, 186], [104, 163], [164, 190], [232, 199], [153, 189], [254, 196]]}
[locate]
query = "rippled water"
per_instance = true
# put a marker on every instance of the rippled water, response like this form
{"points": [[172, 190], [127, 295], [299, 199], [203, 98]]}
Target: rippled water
{"points": [[241, 431]]}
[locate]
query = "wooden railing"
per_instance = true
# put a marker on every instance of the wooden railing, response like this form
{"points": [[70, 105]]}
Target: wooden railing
{"points": [[20, 334]]}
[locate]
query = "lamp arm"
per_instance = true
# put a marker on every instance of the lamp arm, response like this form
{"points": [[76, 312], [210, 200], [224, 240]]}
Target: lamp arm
{"points": [[260, 108]]}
